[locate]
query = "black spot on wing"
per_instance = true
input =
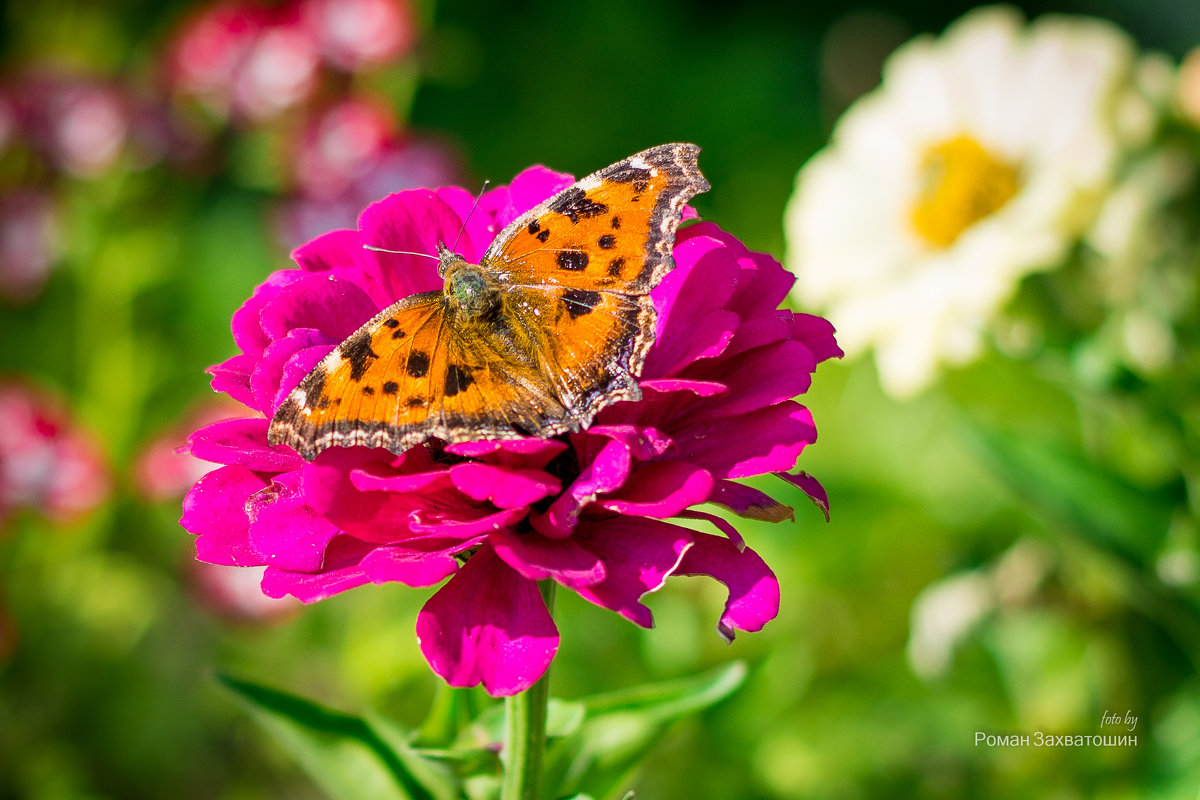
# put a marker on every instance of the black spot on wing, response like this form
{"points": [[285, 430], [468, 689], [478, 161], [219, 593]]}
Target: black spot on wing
{"points": [[418, 364], [627, 173], [391, 387], [357, 350], [392, 322], [580, 302], [576, 205], [414, 402], [616, 223], [615, 266], [313, 386], [368, 390], [573, 260], [534, 226], [607, 241], [457, 380], [544, 235]]}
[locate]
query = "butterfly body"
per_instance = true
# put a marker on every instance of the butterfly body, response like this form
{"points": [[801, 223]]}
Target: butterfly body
{"points": [[550, 326]]}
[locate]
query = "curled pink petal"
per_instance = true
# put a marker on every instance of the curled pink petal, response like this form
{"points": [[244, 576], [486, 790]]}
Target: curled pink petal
{"points": [[661, 489], [811, 487], [488, 625], [242, 442], [606, 472], [215, 510], [539, 557], [753, 589], [750, 503], [504, 488], [638, 556]]}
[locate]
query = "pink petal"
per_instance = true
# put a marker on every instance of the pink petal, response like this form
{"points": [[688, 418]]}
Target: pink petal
{"points": [[760, 332], [811, 487], [266, 383], [329, 252], [817, 333], [503, 488], [530, 453], [332, 305], [243, 442], [660, 489], [538, 558], [720, 524], [248, 333], [350, 563], [763, 377], [603, 473], [232, 377], [644, 443], [215, 510], [638, 556], [378, 478], [767, 440], [750, 503], [465, 521], [698, 388], [284, 530], [753, 589], [417, 220], [296, 369], [488, 625], [341, 253]]}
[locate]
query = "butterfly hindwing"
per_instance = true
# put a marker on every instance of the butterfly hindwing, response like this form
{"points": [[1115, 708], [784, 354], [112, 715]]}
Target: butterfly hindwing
{"points": [[410, 374]]}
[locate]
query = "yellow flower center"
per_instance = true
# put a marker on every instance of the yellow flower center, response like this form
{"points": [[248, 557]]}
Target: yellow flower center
{"points": [[961, 184]]}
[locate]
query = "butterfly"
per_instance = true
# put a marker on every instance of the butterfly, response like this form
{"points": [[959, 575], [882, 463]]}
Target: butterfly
{"points": [[552, 325]]}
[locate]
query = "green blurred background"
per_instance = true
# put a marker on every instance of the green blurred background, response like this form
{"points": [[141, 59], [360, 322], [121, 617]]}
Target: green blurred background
{"points": [[106, 677]]}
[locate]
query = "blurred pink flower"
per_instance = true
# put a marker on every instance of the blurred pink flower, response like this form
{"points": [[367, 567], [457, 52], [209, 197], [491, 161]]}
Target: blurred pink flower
{"points": [[243, 59], [235, 594], [349, 156], [46, 463], [585, 510], [164, 470], [29, 243], [340, 145], [354, 34], [248, 60]]}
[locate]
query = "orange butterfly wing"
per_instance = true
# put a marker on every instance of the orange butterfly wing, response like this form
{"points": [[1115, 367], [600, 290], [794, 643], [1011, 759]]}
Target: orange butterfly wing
{"points": [[569, 333], [409, 374], [580, 267]]}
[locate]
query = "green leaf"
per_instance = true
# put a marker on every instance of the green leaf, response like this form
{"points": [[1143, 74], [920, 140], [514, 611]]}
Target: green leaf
{"points": [[622, 727], [344, 755], [1067, 490]]}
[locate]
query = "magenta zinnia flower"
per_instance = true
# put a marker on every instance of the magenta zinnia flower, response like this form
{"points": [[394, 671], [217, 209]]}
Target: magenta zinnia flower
{"points": [[588, 510]]}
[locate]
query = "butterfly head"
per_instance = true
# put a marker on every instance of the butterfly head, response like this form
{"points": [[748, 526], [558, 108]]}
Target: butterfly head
{"points": [[470, 293]]}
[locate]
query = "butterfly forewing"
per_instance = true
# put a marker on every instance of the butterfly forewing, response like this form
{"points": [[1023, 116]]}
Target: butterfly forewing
{"points": [[612, 231], [580, 268]]}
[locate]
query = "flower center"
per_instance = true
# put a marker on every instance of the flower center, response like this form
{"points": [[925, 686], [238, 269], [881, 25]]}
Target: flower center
{"points": [[961, 183]]}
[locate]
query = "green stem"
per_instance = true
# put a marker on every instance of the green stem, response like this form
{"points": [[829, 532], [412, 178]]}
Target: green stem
{"points": [[526, 742]]}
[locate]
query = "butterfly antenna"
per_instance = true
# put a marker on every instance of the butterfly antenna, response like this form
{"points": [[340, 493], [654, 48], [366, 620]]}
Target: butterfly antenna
{"points": [[478, 197], [398, 252]]}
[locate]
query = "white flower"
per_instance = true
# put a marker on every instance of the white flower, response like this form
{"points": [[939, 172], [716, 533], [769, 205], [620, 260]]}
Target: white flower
{"points": [[981, 158]]}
